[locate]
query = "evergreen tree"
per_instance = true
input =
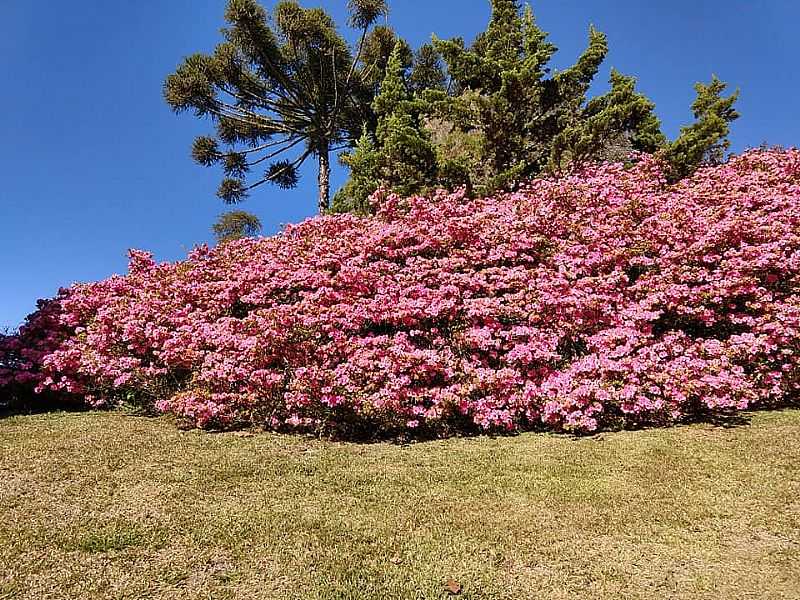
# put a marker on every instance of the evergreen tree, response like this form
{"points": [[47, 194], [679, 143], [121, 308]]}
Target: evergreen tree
{"points": [[378, 47], [401, 155], [274, 86], [610, 127], [706, 140], [500, 126], [494, 121], [365, 177], [502, 116], [235, 225], [427, 72]]}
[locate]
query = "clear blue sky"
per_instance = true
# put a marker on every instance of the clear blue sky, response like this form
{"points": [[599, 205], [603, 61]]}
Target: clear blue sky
{"points": [[93, 161]]}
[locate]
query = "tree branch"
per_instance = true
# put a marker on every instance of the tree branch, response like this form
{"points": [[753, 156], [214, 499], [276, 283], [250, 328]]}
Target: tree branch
{"points": [[276, 152], [281, 171]]}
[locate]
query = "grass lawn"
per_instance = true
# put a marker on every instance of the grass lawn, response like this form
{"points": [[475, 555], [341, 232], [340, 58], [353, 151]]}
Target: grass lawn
{"points": [[110, 505]]}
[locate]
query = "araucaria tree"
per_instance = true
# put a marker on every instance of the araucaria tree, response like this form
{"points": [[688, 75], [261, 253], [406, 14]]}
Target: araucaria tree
{"points": [[280, 90]]}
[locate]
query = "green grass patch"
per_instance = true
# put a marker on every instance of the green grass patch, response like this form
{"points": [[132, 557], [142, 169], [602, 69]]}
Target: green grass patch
{"points": [[113, 537]]}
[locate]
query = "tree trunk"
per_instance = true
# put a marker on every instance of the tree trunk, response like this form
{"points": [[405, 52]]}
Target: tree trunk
{"points": [[324, 178]]}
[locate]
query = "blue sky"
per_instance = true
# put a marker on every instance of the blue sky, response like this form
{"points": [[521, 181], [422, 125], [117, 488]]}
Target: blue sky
{"points": [[93, 161]]}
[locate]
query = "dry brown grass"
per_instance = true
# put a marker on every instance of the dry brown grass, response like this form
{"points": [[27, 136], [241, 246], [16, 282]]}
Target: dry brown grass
{"points": [[108, 505]]}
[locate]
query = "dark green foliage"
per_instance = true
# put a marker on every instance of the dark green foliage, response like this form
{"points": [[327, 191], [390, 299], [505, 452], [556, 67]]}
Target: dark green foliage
{"points": [[610, 127], [501, 126], [235, 164], [378, 47], [490, 124], [232, 191], [283, 174], [205, 151], [400, 154], [500, 116], [428, 72], [278, 84], [364, 164], [497, 129], [363, 13], [705, 141], [485, 116], [235, 225]]}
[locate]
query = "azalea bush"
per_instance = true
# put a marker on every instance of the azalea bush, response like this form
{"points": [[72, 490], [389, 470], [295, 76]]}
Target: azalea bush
{"points": [[605, 298]]}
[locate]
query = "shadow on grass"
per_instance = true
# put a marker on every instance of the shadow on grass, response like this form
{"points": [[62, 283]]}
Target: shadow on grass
{"points": [[722, 420], [36, 405], [733, 419], [713, 420], [357, 431]]}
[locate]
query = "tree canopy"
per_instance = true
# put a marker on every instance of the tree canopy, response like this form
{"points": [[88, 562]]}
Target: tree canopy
{"points": [[285, 87], [492, 114], [706, 140], [280, 89], [235, 225]]}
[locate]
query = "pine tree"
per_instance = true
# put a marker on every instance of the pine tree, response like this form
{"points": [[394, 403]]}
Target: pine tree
{"points": [[279, 85], [364, 163], [378, 48], [499, 127], [401, 155], [706, 140], [427, 72], [610, 127], [502, 116], [235, 225]]}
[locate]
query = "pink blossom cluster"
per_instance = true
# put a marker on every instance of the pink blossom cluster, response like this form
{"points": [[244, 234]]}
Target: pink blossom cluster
{"points": [[604, 298]]}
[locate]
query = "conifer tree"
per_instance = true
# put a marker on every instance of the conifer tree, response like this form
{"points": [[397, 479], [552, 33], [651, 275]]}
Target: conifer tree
{"points": [[706, 140], [496, 121], [500, 124], [427, 72], [378, 48], [610, 127], [235, 225], [502, 116], [364, 163], [401, 154], [280, 90]]}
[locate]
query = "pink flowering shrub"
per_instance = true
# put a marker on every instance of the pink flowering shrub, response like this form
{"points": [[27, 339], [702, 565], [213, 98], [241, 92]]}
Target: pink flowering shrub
{"points": [[604, 298]]}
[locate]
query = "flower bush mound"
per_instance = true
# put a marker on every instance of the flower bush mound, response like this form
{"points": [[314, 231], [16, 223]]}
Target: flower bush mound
{"points": [[605, 298]]}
